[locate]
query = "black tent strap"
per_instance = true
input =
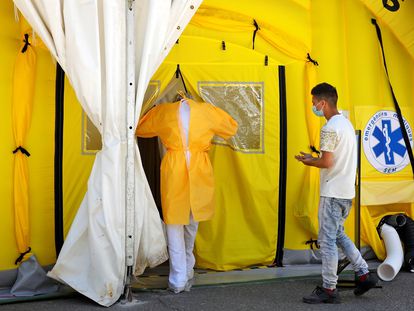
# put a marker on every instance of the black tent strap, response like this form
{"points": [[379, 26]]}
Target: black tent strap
{"points": [[22, 150], [58, 159], [397, 107], [179, 74], [26, 42], [313, 149], [281, 221], [311, 242], [309, 58], [256, 25], [20, 258]]}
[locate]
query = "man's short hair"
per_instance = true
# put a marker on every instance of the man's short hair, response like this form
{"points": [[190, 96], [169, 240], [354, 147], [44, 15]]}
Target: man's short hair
{"points": [[327, 92]]}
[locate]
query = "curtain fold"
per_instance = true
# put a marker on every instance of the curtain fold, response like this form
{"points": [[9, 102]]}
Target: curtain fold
{"points": [[22, 106], [88, 39]]}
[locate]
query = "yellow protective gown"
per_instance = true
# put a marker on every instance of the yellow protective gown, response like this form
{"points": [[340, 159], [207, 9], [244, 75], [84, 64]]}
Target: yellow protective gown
{"points": [[187, 188]]}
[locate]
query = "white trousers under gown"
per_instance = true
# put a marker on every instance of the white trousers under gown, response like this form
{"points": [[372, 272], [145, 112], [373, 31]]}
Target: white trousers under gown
{"points": [[180, 248]]}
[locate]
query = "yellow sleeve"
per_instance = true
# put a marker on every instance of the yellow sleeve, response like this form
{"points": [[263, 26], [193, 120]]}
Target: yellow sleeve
{"points": [[226, 126], [147, 125]]}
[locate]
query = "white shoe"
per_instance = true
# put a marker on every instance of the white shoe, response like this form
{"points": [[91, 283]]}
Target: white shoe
{"points": [[174, 289], [189, 284]]}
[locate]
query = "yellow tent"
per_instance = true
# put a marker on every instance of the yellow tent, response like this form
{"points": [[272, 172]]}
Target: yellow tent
{"points": [[257, 60]]}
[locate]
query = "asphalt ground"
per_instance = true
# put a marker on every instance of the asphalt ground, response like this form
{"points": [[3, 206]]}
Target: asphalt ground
{"points": [[276, 294]]}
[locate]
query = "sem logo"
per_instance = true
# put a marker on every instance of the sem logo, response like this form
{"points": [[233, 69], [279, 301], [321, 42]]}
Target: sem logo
{"points": [[384, 144]]}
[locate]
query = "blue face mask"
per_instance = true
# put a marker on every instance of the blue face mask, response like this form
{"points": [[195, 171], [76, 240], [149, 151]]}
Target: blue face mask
{"points": [[317, 112]]}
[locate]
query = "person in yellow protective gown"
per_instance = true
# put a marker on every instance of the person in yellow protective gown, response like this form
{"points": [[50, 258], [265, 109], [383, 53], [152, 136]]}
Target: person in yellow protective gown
{"points": [[186, 129]]}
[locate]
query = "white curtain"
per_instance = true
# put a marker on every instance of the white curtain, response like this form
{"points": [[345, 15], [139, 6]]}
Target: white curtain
{"points": [[88, 39]]}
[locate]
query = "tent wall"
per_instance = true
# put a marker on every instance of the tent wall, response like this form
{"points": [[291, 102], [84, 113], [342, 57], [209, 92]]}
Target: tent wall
{"points": [[8, 50], [244, 231], [40, 144]]}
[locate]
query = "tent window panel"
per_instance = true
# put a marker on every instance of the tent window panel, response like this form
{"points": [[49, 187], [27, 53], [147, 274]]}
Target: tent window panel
{"points": [[244, 102], [91, 138]]}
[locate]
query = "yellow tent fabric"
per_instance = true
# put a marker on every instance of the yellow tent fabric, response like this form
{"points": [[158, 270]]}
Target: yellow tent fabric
{"points": [[39, 141], [23, 89], [397, 22], [247, 184], [11, 44]]}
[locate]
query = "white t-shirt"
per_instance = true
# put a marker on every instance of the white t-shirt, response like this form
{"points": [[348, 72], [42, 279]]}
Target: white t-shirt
{"points": [[338, 137]]}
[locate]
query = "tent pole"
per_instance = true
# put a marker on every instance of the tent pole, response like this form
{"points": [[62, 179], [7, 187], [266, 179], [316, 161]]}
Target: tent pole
{"points": [[282, 169], [59, 109], [358, 194], [131, 141]]}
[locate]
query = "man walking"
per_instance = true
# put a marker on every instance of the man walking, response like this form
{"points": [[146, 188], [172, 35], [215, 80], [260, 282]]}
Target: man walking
{"points": [[337, 165]]}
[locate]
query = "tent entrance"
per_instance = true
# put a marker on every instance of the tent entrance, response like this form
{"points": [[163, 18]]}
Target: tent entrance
{"points": [[244, 231]]}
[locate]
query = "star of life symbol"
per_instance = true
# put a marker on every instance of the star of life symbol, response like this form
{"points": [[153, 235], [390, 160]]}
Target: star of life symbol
{"points": [[383, 142]]}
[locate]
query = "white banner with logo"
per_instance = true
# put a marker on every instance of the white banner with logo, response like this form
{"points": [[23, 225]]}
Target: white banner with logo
{"points": [[386, 170]]}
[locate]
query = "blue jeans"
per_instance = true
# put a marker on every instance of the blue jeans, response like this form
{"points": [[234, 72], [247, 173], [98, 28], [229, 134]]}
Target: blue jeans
{"points": [[332, 214]]}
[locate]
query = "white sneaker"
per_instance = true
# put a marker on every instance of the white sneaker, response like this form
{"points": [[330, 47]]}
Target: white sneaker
{"points": [[175, 289], [189, 284]]}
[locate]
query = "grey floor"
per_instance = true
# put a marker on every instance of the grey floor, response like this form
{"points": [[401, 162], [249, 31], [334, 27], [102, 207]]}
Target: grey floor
{"points": [[157, 278], [259, 288]]}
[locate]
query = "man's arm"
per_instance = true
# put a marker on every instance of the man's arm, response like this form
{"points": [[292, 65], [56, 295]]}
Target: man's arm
{"points": [[325, 161]]}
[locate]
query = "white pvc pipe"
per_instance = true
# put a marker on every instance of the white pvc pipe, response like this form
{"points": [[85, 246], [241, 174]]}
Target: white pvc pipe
{"points": [[395, 255]]}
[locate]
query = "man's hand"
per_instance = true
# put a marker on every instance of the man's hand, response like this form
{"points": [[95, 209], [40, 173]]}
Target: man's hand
{"points": [[325, 161], [305, 158]]}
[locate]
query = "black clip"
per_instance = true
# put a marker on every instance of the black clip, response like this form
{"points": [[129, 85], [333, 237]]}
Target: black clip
{"points": [[22, 150], [223, 45], [177, 72], [26, 42], [20, 258], [312, 242], [311, 60], [256, 25]]}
